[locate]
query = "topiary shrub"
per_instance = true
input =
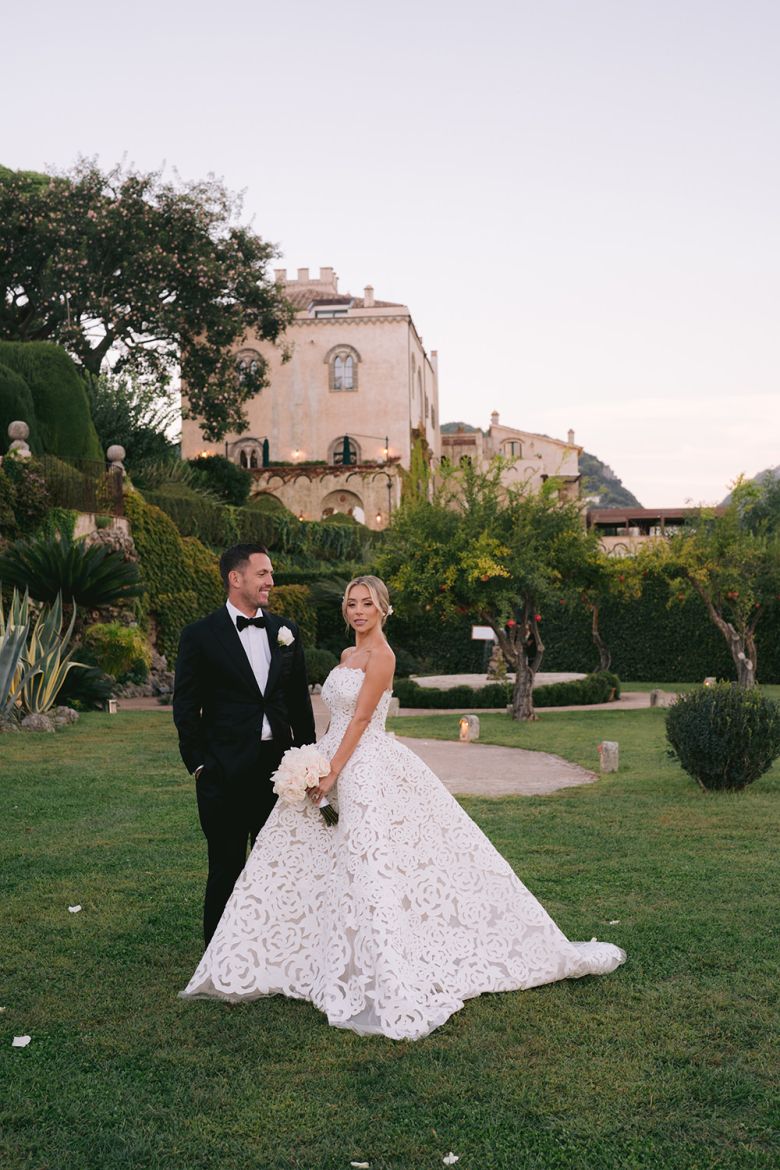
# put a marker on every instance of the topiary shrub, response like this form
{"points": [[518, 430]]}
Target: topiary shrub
{"points": [[181, 576], [121, 651], [16, 405], [267, 502], [64, 422], [724, 736], [227, 480], [319, 664], [194, 515]]}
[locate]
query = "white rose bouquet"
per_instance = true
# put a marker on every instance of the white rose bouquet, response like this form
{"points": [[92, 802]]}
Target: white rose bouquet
{"points": [[300, 769]]}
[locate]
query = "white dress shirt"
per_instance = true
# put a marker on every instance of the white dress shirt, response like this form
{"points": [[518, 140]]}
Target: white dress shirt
{"points": [[258, 651]]}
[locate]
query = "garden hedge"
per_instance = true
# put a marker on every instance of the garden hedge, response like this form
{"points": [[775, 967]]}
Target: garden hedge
{"points": [[16, 403], [62, 420], [595, 688], [183, 581], [653, 641]]}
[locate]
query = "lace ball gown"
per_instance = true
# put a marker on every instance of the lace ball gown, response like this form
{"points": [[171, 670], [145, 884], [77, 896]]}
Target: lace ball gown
{"points": [[388, 921]]}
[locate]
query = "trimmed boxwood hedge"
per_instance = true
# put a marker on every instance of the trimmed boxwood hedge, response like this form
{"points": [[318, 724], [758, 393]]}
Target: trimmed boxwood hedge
{"points": [[62, 420], [16, 403], [183, 581], [595, 688]]}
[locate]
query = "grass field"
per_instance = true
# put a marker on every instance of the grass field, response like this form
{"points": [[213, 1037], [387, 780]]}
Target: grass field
{"points": [[668, 1064]]}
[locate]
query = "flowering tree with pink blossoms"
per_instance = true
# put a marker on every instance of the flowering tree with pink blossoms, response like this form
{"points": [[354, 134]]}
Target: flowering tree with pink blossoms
{"points": [[157, 274]]}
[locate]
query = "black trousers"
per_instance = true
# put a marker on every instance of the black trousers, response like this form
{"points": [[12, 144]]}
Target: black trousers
{"points": [[232, 812]]}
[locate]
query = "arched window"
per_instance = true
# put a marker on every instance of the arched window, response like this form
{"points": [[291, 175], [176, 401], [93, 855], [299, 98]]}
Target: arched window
{"points": [[343, 372], [513, 449], [344, 451], [248, 363], [342, 363], [250, 453]]}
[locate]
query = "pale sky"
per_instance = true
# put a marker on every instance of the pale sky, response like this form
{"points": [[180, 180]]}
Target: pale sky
{"points": [[578, 199]]}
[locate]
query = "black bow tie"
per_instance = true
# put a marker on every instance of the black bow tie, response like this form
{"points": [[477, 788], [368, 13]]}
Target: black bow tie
{"points": [[243, 622]]}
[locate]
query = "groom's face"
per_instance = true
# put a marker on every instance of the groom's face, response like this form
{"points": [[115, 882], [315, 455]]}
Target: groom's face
{"points": [[252, 583]]}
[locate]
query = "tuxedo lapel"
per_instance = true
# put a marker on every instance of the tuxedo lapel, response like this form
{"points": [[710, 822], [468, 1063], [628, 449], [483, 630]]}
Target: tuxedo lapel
{"points": [[231, 643], [272, 625]]}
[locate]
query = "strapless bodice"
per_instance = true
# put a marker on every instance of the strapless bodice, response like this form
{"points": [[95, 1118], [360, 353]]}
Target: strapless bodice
{"points": [[339, 694]]}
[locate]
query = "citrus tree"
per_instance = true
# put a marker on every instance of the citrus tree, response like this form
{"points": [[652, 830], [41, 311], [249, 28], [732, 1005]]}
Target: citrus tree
{"points": [[496, 552], [730, 558]]}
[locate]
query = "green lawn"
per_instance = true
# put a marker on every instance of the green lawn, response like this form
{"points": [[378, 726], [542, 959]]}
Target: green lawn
{"points": [[669, 1063]]}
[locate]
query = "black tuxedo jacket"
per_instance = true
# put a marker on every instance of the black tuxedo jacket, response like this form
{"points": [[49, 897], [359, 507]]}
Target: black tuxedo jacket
{"points": [[218, 707]]}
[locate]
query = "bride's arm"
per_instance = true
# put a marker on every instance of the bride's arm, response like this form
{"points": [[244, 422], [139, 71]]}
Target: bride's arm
{"points": [[379, 678]]}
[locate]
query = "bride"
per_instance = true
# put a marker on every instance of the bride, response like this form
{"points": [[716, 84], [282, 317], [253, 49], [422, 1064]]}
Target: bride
{"points": [[388, 921]]}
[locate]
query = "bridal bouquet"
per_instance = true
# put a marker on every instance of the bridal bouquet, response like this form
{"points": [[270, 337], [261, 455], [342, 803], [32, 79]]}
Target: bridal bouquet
{"points": [[302, 768]]}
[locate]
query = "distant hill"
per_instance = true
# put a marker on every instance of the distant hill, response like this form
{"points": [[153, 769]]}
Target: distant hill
{"points": [[767, 473], [600, 480], [452, 428]]}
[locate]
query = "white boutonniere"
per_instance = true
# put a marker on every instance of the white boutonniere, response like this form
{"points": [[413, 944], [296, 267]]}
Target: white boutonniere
{"points": [[285, 637]]}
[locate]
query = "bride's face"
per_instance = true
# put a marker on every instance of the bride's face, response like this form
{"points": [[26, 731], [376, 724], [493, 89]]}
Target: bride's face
{"points": [[362, 614]]}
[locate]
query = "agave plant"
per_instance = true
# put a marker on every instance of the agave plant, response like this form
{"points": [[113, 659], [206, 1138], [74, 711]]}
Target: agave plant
{"points": [[14, 670], [47, 660], [93, 575]]}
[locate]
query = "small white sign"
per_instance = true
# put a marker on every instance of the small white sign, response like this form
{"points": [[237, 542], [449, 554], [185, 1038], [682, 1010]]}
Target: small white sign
{"points": [[482, 634]]}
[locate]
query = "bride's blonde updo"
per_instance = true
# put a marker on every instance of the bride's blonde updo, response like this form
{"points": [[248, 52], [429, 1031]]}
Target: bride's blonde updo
{"points": [[377, 591]]}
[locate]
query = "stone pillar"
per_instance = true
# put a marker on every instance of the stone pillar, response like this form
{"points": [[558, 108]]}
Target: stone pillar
{"points": [[609, 756]]}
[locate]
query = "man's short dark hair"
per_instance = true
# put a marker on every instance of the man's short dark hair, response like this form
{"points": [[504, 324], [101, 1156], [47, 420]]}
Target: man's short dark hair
{"points": [[236, 558]]}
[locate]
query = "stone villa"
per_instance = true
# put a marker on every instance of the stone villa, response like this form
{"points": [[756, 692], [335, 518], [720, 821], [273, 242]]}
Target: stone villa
{"points": [[337, 421]]}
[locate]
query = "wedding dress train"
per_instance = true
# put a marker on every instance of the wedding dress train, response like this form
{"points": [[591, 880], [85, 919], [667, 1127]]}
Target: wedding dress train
{"points": [[388, 921]]}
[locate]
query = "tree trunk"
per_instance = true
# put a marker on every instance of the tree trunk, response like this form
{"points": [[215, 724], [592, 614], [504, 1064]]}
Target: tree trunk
{"points": [[742, 646], [522, 696], [524, 649], [605, 657]]}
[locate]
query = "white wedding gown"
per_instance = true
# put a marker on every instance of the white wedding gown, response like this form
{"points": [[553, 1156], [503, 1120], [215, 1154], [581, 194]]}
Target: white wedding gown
{"points": [[388, 921]]}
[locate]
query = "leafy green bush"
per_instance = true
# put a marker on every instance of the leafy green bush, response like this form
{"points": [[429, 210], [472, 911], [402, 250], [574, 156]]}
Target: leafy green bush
{"points": [[26, 496], [340, 518], [7, 503], [90, 575], [59, 521], [121, 651], [294, 601], [211, 522], [411, 694], [86, 688], [64, 422], [16, 404], [594, 688], [724, 736], [579, 692], [405, 663], [267, 502], [227, 480], [319, 664], [181, 577]]}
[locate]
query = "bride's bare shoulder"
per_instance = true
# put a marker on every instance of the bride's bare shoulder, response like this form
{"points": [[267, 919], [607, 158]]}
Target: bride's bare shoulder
{"points": [[347, 654]]}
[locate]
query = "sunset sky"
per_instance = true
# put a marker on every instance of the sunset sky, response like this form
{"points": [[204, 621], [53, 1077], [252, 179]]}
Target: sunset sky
{"points": [[578, 199]]}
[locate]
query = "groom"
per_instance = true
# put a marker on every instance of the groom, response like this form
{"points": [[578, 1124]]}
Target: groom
{"points": [[240, 700]]}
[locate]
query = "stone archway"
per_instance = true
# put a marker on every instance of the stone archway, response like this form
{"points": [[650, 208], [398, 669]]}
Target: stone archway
{"points": [[347, 502]]}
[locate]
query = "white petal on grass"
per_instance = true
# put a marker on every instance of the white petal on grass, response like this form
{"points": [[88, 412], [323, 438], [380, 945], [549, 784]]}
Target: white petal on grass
{"points": [[20, 1041], [450, 1159], [74, 909], [360, 1165], [614, 922]]}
